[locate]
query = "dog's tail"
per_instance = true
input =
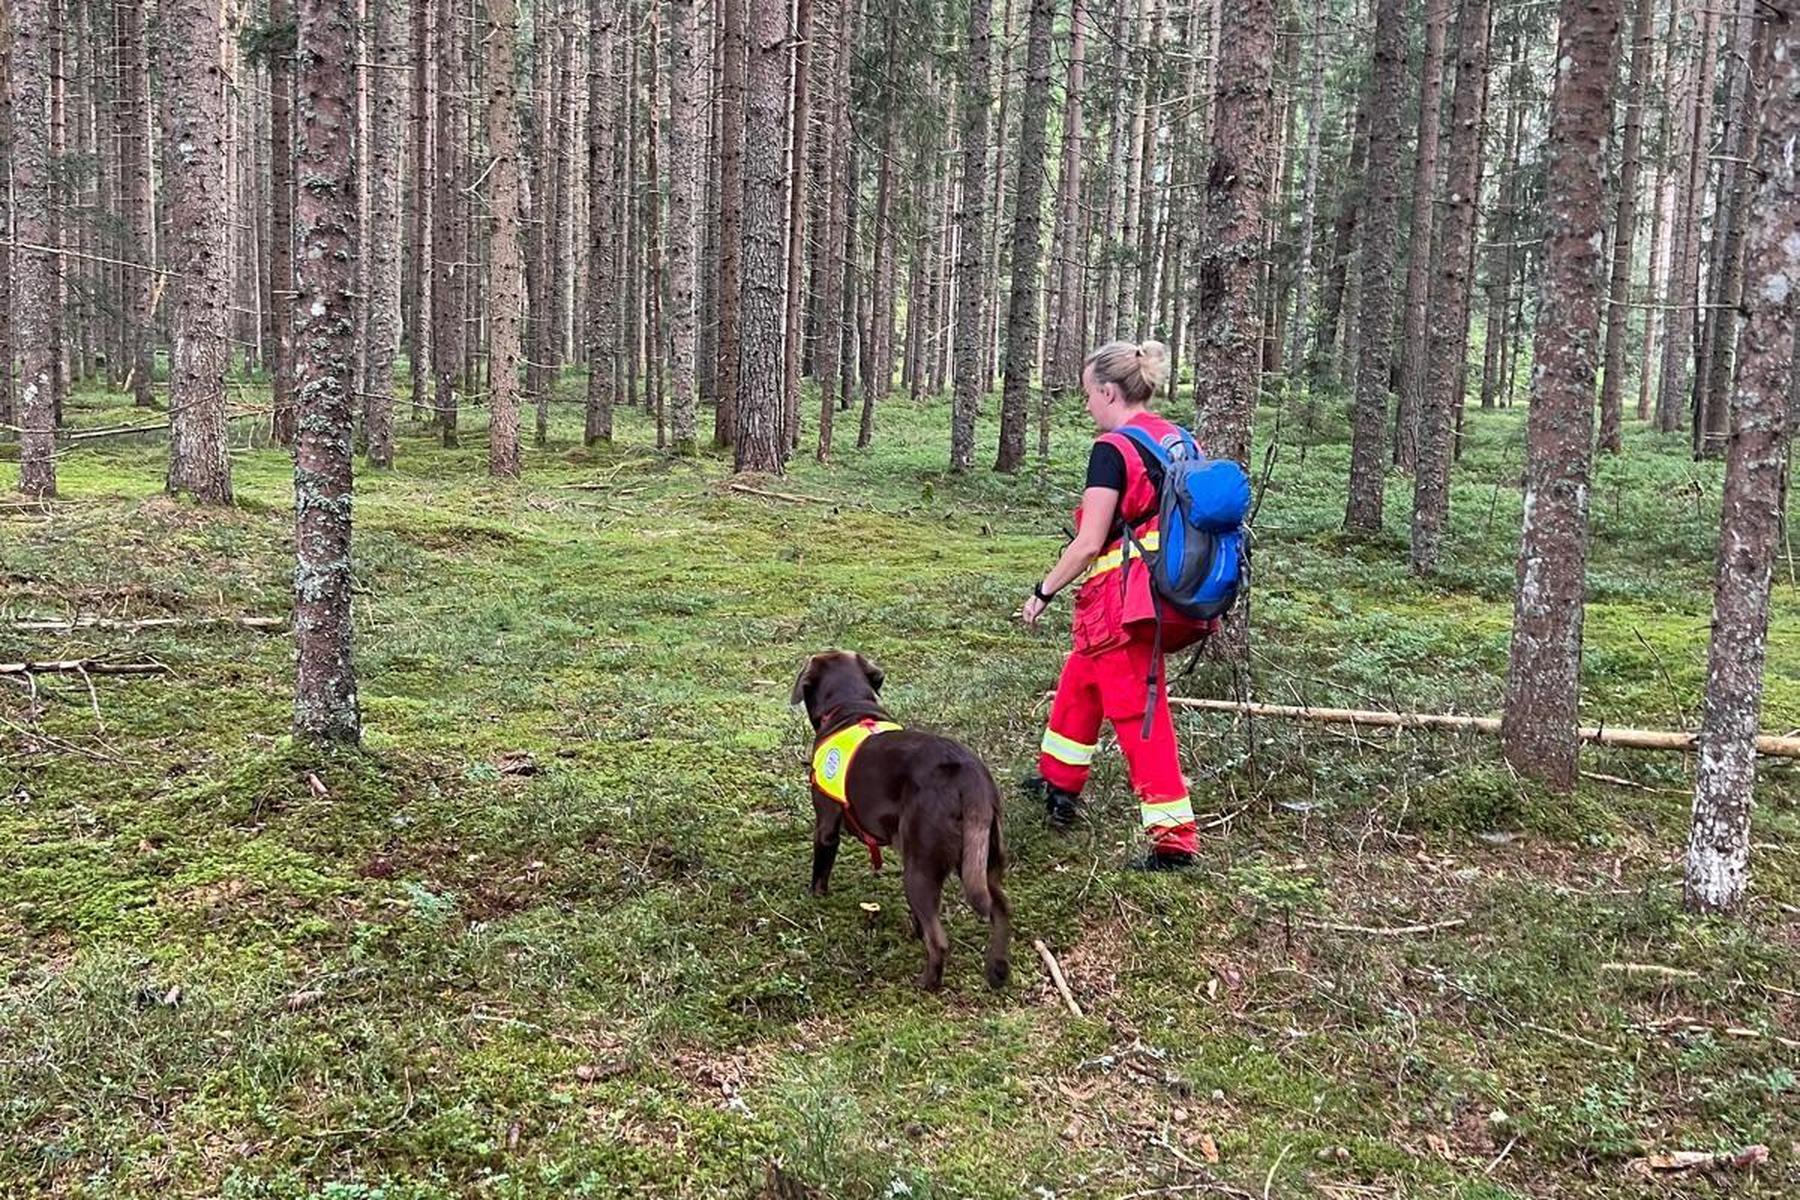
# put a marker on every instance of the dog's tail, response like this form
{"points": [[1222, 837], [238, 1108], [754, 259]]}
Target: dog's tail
{"points": [[983, 867]]}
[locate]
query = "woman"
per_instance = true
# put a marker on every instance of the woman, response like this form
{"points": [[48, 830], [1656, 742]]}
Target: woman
{"points": [[1116, 650]]}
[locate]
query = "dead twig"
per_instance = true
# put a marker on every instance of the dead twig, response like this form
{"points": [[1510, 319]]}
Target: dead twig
{"points": [[51, 625], [1056, 976], [83, 666], [1656, 970], [747, 490], [1389, 931]]}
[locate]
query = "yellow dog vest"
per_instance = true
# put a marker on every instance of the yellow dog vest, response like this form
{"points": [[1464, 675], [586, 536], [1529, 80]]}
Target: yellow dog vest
{"points": [[831, 761]]}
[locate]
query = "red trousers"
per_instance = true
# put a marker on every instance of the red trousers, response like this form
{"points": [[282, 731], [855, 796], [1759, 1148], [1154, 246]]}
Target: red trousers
{"points": [[1111, 685]]}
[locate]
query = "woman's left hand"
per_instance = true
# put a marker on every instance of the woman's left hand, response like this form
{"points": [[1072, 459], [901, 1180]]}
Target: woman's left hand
{"points": [[1033, 609]]}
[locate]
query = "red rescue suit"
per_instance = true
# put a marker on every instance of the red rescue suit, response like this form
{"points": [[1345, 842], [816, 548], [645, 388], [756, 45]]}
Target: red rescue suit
{"points": [[1104, 677]]}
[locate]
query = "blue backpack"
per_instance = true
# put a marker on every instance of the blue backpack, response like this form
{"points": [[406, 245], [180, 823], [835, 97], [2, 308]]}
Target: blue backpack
{"points": [[1201, 559]]}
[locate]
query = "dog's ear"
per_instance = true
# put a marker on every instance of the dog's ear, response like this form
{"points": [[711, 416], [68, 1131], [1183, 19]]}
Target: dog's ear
{"points": [[803, 682], [873, 673]]}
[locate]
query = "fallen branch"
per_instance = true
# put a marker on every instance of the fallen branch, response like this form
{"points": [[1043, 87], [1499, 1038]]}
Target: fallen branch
{"points": [[1653, 969], [1628, 739], [1391, 931], [1056, 976], [788, 496], [82, 666], [55, 626]]}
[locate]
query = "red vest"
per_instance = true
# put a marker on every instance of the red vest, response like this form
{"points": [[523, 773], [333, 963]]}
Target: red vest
{"points": [[1109, 610]]}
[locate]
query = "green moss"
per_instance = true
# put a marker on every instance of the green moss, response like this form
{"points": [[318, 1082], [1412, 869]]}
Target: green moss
{"points": [[388, 988]]}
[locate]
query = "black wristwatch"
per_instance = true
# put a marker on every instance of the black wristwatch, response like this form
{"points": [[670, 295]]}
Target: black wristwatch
{"points": [[1037, 589]]}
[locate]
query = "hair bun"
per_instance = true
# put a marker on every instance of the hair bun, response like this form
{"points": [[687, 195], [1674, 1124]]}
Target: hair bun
{"points": [[1154, 364]]}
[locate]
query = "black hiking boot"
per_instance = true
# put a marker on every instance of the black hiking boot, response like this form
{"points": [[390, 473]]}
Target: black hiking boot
{"points": [[1059, 806]]}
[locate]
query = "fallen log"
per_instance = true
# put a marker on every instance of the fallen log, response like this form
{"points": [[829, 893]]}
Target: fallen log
{"points": [[1602, 735], [52, 625], [82, 666]]}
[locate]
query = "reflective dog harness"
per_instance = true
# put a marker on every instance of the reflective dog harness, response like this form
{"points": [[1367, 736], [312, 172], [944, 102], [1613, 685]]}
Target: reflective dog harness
{"points": [[831, 772]]}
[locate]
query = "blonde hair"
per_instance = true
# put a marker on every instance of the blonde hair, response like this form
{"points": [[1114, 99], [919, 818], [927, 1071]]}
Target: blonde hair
{"points": [[1139, 368]]}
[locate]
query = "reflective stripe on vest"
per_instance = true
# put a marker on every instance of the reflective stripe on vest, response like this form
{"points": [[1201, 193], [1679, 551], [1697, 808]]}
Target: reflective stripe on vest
{"points": [[1114, 558], [831, 760]]}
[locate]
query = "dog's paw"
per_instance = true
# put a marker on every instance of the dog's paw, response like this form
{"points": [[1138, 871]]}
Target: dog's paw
{"points": [[998, 973], [929, 982], [820, 888]]}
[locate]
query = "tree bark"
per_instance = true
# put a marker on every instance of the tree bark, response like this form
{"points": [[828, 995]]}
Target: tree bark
{"points": [[835, 27], [194, 145], [421, 126], [325, 700], [1368, 454], [761, 440], [8, 412], [34, 285], [383, 338], [731, 219], [1625, 221], [1543, 678], [878, 378], [1684, 277], [1111, 247], [504, 298], [1309, 201], [1062, 371], [1661, 219], [1448, 347], [1228, 349], [798, 117], [971, 372], [1712, 383], [1021, 317], [603, 288], [1718, 855], [1418, 263], [281, 219], [686, 132], [450, 234], [1343, 239]]}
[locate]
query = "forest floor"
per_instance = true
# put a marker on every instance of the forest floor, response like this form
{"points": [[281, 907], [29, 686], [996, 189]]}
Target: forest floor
{"points": [[549, 934]]}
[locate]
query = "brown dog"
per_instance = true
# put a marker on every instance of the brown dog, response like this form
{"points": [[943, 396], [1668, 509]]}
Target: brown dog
{"points": [[927, 796]]}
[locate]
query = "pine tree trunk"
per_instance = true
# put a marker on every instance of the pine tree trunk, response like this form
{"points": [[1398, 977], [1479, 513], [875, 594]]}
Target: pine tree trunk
{"points": [[731, 220], [139, 301], [281, 222], [1446, 366], [536, 198], [799, 116], [1368, 453], [1119, 82], [1744, 114], [655, 262], [8, 403], [450, 234], [1309, 199], [1418, 264], [194, 124], [1661, 220], [1625, 221], [603, 288], [996, 208], [918, 305], [1343, 240], [1021, 319], [706, 365], [1062, 372], [878, 379], [1504, 231], [34, 285], [422, 124], [504, 292], [61, 208], [1718, 855], [686, 131], [1147, 195], [325, 701], [383, 337], [1684, 277], [761, 443], [834, 38], [1228, 350], [971, 372], [1543, 679]]}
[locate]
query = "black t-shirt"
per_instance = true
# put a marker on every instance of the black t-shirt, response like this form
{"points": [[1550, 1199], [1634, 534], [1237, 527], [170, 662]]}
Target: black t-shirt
{"points": [[1106, 467]]}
